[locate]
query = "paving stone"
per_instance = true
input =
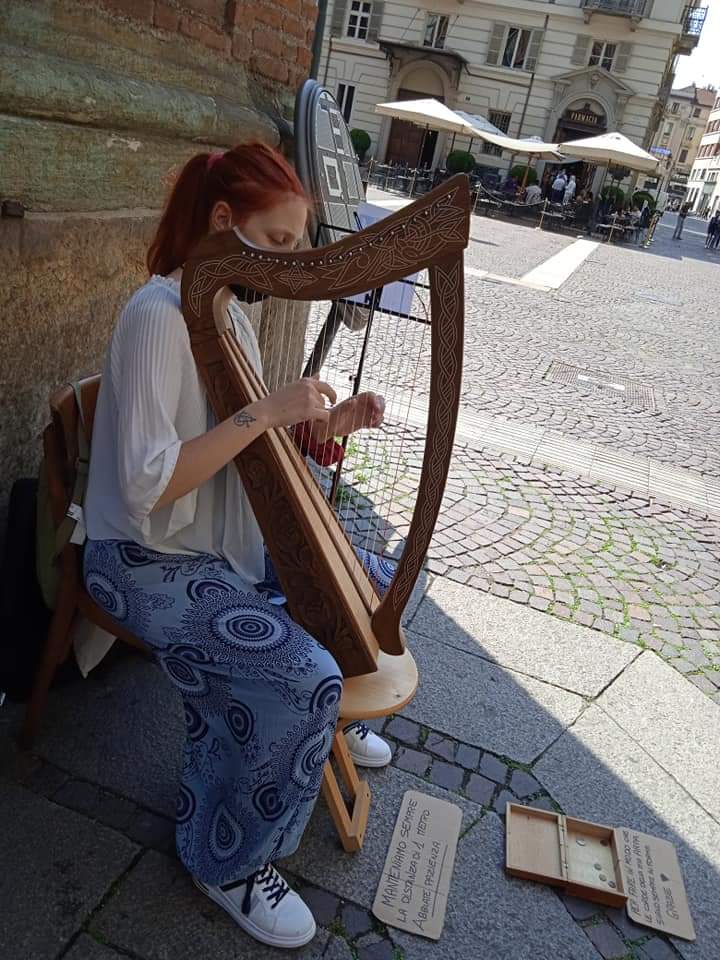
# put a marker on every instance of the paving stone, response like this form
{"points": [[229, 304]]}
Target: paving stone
{"points": [[412, 760], [46, 780], [542, 803], [404, 730], [116, 812], [480, 789], [441, 746], [523, 784], [467, 757], [493, 768], [512, 635], [150, 830], [157, 912], [383, 950], [581, 909], [78, 795], [656, 949], [673, 721], [323, 904], [55, 865], [337, 949], [598, 772], [607, 941], [619, 918], [85, 948], [355, 920], [446, 775], [502, 800]]}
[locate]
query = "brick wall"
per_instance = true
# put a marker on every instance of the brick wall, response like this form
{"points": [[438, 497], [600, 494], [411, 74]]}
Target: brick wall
{"points": [[272, 39]]}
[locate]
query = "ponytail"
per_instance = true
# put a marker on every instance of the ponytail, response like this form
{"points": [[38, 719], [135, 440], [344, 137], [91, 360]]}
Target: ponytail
{"points": [[250, 178]]}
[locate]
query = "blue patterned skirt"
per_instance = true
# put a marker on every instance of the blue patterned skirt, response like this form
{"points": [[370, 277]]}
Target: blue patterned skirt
{"points": [[261, 698]]}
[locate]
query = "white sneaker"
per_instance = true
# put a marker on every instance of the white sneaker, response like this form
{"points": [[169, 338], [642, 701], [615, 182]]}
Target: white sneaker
{"points": [[366, 748], [266, 908]]}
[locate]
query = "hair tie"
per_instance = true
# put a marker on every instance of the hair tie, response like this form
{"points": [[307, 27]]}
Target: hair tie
{"points": [[212, 159]]}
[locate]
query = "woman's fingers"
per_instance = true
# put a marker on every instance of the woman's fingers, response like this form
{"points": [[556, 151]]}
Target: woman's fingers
{"points": [[326, 390]]}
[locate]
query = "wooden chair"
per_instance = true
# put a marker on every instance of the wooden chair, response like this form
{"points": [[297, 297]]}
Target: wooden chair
{"points": [[365, 697]]}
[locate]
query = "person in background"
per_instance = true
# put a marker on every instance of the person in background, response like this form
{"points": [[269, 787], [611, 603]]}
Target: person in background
{"points": [[713, 227], [584, 210], [558, 187], [533, 194], [716, 235], [570, 188], [643, 223], [682, 213], [510, 187]]}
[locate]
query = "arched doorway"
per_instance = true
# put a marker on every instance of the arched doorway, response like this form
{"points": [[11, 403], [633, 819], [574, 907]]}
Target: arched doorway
{"points": [[406, 142], [581, 118]]}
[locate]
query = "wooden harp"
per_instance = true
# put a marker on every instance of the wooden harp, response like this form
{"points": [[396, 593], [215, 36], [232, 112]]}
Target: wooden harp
{"points": [[328, 590]]}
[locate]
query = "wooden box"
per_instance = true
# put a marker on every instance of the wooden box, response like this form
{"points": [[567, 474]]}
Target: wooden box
{"points": [[579, 856]]}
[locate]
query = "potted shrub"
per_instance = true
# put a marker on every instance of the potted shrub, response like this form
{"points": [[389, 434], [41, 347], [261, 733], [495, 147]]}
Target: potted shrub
{"points": [[518, 171], [641, 196], [460, 161], [361, 142]]}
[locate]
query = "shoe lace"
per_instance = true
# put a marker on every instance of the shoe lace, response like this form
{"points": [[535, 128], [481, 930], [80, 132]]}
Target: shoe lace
{"points": [[273, 886], [360, 728]]}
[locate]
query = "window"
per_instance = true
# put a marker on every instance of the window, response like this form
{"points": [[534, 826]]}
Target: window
{"points": [[516, 48], [345, 97], [602, 54], [359, 19], [690, 133], [668, 129], [683, 156], [675, 107], [436, 29], [501, 120], [696, 112]]}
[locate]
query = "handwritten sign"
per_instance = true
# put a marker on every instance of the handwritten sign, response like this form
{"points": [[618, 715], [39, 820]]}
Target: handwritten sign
{"points": [[415, 882], [654, 884]]}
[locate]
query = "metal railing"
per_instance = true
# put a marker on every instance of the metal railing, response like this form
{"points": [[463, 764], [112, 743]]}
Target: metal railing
{"points": [[693, 20], [620, 8]]}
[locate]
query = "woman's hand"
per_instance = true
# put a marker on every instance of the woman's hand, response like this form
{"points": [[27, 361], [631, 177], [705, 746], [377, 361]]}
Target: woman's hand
{"points": [[356, 413], [299, 401]]}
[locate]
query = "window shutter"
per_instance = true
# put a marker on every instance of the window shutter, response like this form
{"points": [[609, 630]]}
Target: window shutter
{"points": [[375, 21], [581, 50], [533, 50], [337, 21], [495, 46], [623, 55]]}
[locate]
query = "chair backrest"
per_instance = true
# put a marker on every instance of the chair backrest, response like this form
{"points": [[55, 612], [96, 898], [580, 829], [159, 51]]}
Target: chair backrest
{"points": [[60, 440]]}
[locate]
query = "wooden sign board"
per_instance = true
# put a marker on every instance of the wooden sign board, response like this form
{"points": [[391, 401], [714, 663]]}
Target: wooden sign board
{"points": [[613, 866], [415, 882]]}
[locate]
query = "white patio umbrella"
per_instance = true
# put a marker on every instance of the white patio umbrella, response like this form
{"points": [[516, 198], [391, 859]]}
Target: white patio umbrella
{"points": [[530, 145], [610, 148], [428, 113]]}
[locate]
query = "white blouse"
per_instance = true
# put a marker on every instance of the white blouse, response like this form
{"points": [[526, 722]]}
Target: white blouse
{"points": [[151, 401]]}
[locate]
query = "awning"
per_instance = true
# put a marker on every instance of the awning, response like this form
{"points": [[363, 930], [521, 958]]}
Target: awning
{"points": [[428, 113], [611, 148]]}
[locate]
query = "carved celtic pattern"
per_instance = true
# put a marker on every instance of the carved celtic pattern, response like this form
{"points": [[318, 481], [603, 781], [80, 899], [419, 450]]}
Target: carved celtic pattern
{"points": [[402, 245]]}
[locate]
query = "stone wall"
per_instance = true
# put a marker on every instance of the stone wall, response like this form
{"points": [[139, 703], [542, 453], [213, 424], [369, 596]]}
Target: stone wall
{"points": [[99, 104]]}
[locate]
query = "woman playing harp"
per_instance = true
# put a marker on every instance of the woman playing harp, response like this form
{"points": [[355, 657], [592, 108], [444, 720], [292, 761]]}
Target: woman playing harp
{"points": [[176, 555]]}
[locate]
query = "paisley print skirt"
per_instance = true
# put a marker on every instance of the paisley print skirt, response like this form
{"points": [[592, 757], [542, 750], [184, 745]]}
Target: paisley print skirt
{"points": [[260, 695]]}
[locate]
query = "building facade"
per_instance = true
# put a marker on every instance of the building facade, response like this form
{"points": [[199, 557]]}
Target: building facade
{"points": [[558, 71], [681, 129], [704, 183]]}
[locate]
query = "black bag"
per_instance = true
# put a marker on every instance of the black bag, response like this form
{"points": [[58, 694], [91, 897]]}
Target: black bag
{"points": [[24, 618]]}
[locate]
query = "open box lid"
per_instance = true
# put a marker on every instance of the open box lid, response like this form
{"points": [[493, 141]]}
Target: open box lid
{"points": [[614, 866]]}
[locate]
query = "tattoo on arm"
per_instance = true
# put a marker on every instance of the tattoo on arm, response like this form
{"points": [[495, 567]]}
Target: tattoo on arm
{"points": [[243, 419]]}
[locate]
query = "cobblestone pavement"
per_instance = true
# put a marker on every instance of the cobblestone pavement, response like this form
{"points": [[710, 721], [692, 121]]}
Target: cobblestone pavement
{"points": [[489, 780], [642, 570]]}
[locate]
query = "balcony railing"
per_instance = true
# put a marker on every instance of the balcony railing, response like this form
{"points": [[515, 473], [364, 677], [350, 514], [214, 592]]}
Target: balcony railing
{"points": [[694, 20], [635, 9]]}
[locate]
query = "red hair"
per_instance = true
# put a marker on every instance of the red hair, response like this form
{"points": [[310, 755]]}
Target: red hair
{"points": [[251, 178]]}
